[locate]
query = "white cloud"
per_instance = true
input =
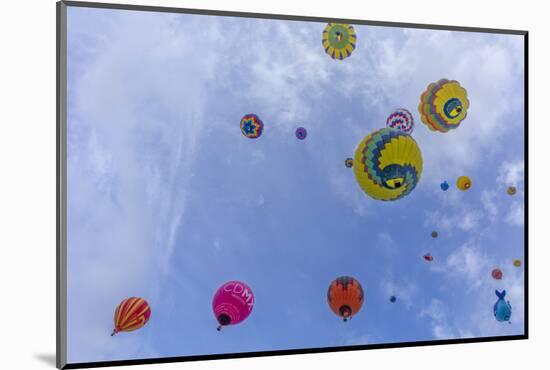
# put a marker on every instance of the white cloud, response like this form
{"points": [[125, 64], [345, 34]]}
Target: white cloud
{"points": [[488, 200], [436, 312], [405, 290], [385, 237], [463, 218], [469, 263], [126, 200], [511, 173], [516, 215], [469, 269]]}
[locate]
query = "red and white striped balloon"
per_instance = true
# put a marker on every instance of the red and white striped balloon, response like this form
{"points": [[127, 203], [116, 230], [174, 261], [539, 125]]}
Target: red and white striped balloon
{"points": [[402, 120]]}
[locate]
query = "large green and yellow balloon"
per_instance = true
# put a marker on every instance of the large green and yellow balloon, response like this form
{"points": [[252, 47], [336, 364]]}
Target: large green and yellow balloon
{"points": [[443, 106], [339, 40], [387, 164]]}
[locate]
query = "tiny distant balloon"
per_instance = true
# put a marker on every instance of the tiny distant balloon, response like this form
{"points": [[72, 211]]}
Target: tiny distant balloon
{"points": [[435, 234], [428, 257], [502, 309], [496, 274], [517, 263], [131, 314], [232, 303], [252, 126], [463, 183], [444, 186], [349, 162], [393, 299], [345, 297], [301, 133], [402, 120], [511, 190]]}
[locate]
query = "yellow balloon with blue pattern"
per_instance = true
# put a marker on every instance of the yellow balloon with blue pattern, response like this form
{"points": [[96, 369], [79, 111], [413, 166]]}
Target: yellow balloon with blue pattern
{"points": [[387, 164], [444, 105]]}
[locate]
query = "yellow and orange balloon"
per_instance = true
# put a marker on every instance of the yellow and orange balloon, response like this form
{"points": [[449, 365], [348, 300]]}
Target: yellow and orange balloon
{"points": [[464, 183], [131, 314]]}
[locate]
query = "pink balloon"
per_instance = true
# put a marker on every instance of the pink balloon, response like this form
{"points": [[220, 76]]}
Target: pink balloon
{"points": [[232, 303]]}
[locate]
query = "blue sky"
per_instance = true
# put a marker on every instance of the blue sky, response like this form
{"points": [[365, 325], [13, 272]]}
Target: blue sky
{"points": [[167, 200]]}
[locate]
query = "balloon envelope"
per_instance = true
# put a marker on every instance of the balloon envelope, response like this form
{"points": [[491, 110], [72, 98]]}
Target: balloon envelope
{"points": [[496, 274], [402, 120], [443, 106], [131, 314], [232, 303], [345, 296], [444, 186], [252, 126], [339, 40], [502, 309], [387, 164], [463, 183], [301, 133]]}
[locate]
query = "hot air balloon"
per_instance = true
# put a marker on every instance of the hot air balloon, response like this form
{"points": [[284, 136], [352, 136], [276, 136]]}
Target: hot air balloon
{"points": [[511, 190], [349, 162], [387, 164], [428, 257], [402, 120], [517, 263], [301, 133], [502, 308], [393, 299], [463, 183], [345, 297], [252, 126], [232, 303], [444, 186], [339, 40], [131, 314], [496, 274], [443, 105], [435, 234]]}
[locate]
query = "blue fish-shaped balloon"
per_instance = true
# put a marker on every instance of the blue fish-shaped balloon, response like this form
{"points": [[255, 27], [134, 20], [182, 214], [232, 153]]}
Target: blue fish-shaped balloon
{"points": [[502, 309]]}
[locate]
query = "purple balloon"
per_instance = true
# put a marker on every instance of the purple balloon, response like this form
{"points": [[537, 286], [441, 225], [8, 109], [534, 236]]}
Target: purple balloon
{"points": [[301, 133]]}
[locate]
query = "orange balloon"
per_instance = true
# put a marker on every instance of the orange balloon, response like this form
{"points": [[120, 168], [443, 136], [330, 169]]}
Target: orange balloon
{"points": [[131, 314], [345, 297]]}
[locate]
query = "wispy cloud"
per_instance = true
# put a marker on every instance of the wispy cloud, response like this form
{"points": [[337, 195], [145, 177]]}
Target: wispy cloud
{"points": [[129, 171], [405, 290], [468, 263]]}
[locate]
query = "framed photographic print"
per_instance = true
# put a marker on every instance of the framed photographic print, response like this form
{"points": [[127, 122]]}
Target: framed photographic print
{"points": [[236, 185]]}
